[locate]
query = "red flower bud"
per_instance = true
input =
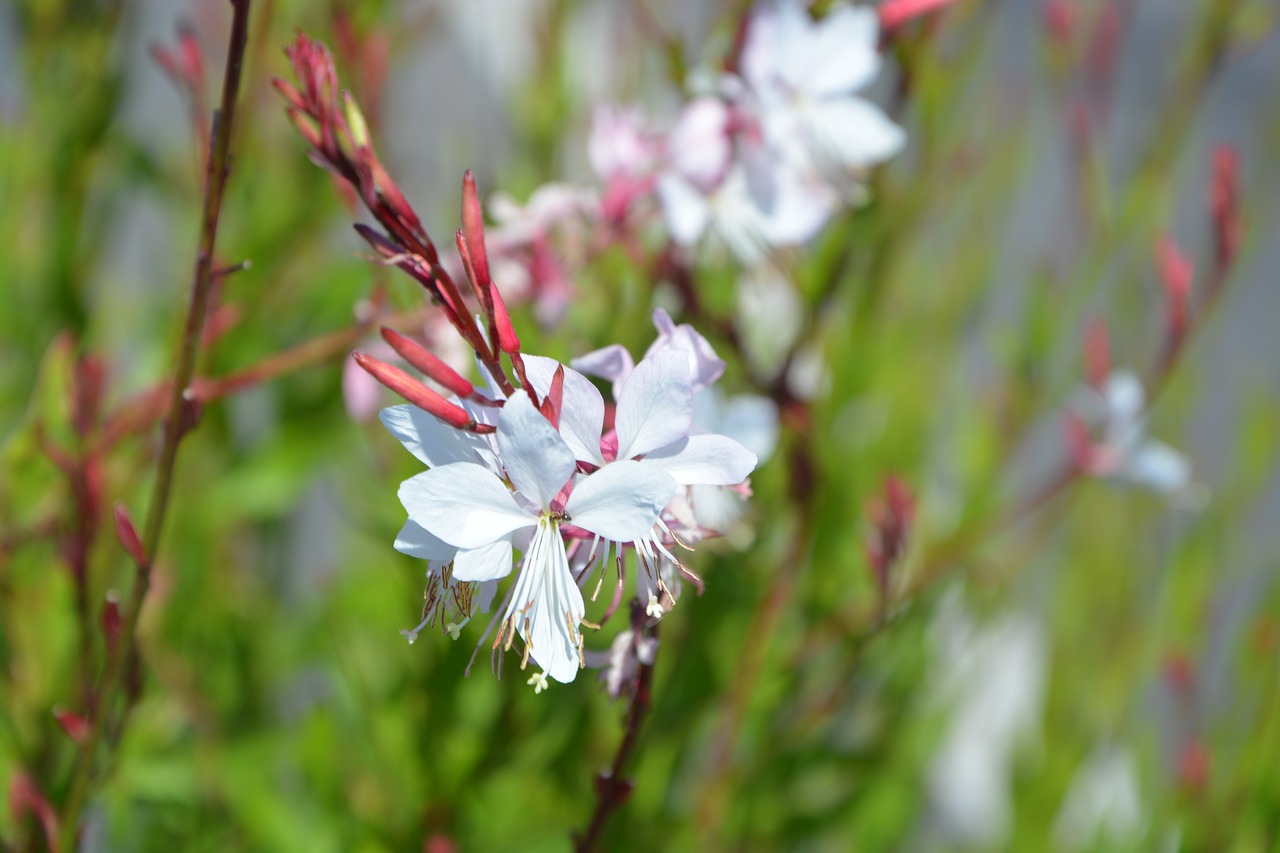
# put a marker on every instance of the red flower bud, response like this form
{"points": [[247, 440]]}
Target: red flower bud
{"points": [[128, 535], [76, 726], [415, 392], [424, 360]]}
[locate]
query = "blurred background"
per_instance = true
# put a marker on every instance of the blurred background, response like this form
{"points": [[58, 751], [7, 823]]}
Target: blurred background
{"points": [[1098, 673]]}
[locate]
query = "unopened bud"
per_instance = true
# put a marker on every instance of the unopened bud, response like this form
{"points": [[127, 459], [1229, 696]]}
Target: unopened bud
{"points": [[895, 13], [1097, 353], [110, 620], [473, 230], [414, 391], [426, 361], [128, 535], [76, 726], [355, 121]]}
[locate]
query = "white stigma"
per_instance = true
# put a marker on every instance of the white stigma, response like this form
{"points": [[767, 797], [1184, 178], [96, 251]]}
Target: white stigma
{"points": [[538, 681]]}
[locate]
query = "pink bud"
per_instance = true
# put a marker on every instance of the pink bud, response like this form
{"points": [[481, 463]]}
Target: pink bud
{"points": [[895, 13], [415, 392], [1097, 353], [553, 403], [110, 620], [426, 361], [473, 230], [508, 340], [76, 726], [1176, 274]]}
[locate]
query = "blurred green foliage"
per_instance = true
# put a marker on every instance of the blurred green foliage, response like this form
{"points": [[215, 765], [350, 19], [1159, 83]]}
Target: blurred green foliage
{"points": [[281, 710]]}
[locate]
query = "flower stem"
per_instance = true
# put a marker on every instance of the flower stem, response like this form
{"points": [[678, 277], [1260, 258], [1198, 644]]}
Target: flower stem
{"points": [[216, 170], [612, 788]]}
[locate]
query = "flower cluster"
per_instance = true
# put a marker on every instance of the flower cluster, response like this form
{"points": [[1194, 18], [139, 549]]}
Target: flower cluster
{"points": [[570, 494], [759, 157]]}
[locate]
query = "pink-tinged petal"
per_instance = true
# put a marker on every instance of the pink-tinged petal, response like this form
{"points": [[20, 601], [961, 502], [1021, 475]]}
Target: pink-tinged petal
{"points": [[463, 504], [416, 541], [430, 439], [548, 605], [841, 54], [851, 132], [486, 563], [537, 459], [621, 501], [705, 367], [360, 392], [613, 363], [704, 460], [698, 146], [685, 209], [582, 415], [655, 406]]}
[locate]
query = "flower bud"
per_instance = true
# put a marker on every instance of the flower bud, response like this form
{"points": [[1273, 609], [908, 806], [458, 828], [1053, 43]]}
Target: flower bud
{"points": [[415, 392]]}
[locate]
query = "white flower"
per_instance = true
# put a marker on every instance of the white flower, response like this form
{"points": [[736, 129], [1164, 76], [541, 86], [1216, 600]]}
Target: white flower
{"points": [[804, 74], [1125, 454], [469, 507]]}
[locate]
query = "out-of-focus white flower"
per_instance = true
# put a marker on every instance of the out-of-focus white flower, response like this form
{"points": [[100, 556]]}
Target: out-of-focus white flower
{"points": [[804, 76], [1124, 453], [1103, 804], [619, 665], [993, 678]]}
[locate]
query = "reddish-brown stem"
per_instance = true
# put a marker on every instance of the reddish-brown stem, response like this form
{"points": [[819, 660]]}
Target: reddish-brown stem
{"points": [[612, 786], [216, 171]]}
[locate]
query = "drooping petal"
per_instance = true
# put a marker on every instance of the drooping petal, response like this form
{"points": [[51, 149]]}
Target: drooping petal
{"points": [[582, 415], [416, 541], [486, 563], [547, 605], [613, 363], [704, 460], [464, 504], [621, 501], [1158, 467], [535, 456], [655, 406], [431, 440], [850, 132]]}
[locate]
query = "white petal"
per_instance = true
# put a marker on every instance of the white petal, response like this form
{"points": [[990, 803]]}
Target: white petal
{"points": [[655, 406], [613, 362], [429, 439], [704, 460], [842, 53], [705, 367], [1158, 467], [582, 415], [535, 456], [850, 132], [547, 602], [486, 563], [621, 501], [684, 207], [416, 541], [1125, 399], [463, 504]]}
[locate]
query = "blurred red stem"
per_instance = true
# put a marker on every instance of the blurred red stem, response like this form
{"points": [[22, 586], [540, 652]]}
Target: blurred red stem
{"points": [[612, 787], [216, 171]]}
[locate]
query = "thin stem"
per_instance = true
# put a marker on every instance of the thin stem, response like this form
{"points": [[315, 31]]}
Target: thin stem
{"points": [[612, 787], [216, 171]]}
